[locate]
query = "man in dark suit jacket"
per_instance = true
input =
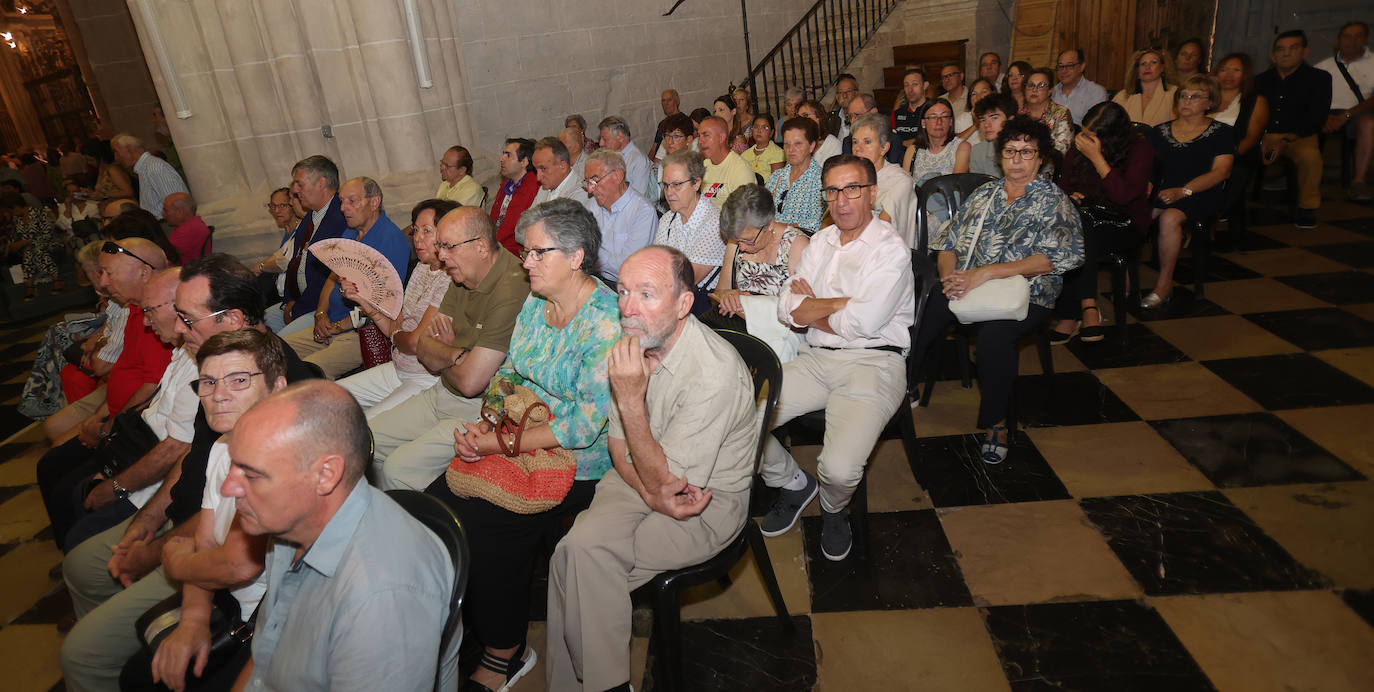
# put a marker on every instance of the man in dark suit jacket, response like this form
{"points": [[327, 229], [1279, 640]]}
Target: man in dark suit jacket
{"points": [[315, 181]]}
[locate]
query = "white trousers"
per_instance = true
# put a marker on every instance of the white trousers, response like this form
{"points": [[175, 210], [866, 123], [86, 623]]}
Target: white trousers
{"points": [[380, 389]]}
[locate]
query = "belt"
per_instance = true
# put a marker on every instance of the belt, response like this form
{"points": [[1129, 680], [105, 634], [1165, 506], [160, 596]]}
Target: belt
{"points": [[885, 347]]}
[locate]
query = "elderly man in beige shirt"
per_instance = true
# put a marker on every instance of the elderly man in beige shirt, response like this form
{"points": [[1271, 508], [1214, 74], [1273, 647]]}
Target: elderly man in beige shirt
{"points": [[682, 438]]}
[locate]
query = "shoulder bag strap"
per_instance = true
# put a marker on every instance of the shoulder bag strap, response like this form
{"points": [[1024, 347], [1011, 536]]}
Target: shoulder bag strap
{"points": [[977, 231], [1350, 81]]}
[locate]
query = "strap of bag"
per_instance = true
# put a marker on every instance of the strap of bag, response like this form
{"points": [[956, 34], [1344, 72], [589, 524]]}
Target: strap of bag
{"points": [[977, 231], [1350, 81], [517, 430]]}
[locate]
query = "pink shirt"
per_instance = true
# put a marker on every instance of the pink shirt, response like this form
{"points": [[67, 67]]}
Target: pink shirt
{"points": [[190, 239]]}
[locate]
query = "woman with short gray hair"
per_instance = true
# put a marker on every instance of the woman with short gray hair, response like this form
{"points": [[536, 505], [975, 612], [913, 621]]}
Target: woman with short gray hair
{"points": [[689, 225], [760, 253]]}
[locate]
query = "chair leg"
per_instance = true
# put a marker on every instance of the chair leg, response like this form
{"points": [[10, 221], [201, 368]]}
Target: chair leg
{"points": [[1202, 253], [908, 427], [668, 629], [965, 362], [1119, 297], [770, 580], [932, 367], [1042, 344], [858, 518]]}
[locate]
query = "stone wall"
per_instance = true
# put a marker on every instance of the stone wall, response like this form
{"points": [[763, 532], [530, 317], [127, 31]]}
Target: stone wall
{"points": [[116, 63]]}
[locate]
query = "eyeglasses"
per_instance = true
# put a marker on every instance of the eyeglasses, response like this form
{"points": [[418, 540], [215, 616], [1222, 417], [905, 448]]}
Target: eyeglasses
{"points": [[191, 323], [443, 164], [1067, 65], [753, 240], [1037, 86], [675, 136], [675, 185], [1192, 96], [1023, 154], [938, 117], [237, 382], [447, 247], [850, 191], [536, 252], [272, 206], [153, 308], [592, 182], [952, 74], [112, 248]]}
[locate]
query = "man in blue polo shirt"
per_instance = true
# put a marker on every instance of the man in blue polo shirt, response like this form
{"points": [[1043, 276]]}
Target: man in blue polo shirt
{"points": [[333, 343]]}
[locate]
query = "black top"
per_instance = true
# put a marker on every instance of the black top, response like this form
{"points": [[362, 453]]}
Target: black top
{"points": [[190, 488], [906, 122], [1179, 162], [1298, 104]]}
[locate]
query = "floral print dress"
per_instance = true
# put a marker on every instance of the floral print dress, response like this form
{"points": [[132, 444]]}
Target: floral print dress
{"points": [[765, 278]]}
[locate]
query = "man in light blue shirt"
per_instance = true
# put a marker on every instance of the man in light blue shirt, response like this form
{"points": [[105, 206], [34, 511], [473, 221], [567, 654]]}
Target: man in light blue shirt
{"points": [[357, 589], [615, 134], [627, 221], [156, 178], [1074, 91]]}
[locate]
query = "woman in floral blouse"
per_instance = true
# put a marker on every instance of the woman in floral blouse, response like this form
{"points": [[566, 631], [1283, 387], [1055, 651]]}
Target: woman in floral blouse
{"points": [[1029, 228], [1045, 111], [760, 251], [558, 349], [796, 187]]}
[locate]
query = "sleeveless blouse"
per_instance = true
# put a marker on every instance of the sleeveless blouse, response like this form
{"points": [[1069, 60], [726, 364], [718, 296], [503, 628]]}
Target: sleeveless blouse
{"points": [[765, 278]]}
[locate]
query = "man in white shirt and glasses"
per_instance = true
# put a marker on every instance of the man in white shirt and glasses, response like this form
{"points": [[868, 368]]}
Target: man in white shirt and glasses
{"points": [[854, 293]]}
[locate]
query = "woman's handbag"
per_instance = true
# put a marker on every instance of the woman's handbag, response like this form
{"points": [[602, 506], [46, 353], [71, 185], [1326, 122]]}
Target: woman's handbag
{"points": [[996, 299], [228, 631], [524, 483], [1106, 218], [375, 346]]}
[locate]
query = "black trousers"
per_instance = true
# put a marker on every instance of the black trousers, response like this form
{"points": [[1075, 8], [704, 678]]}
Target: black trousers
{"points": [[60, 472], [1081, 284], [995, 352], [137, 675], [503, 547]]}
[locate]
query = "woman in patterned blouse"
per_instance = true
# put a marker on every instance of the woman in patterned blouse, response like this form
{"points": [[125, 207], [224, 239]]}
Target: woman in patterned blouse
{"points": [[558, 349], [1029, 228], [796, 187], [760, 251], [1042, 109]]}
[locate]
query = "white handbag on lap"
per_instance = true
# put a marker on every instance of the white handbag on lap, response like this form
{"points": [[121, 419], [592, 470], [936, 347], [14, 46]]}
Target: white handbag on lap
{"points": [[996, 299]]}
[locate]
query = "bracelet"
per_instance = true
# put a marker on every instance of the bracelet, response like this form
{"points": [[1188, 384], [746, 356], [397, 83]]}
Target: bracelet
{"points": [[319, 313], [392, 335]]}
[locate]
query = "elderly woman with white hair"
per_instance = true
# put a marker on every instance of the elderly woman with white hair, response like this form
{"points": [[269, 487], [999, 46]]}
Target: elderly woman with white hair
{"points": [[896, 198], [760, 251], [691, 225]]}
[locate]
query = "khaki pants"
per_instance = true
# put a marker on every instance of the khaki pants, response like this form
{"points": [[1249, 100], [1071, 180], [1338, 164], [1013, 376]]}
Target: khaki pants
{"points": [[340, 355], [1307, 156], [103, 639], [859, 390], [616, 545], [413, 442]]}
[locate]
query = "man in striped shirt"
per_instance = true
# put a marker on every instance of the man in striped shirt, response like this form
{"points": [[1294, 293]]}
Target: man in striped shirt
{"points": [[156, 178]]}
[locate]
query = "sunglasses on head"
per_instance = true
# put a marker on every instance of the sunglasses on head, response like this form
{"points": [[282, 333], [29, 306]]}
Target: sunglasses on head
{"points": [[112, 248]]}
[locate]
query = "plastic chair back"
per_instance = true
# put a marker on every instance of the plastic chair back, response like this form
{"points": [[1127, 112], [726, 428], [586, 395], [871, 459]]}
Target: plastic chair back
{"points": [[764, 368]]}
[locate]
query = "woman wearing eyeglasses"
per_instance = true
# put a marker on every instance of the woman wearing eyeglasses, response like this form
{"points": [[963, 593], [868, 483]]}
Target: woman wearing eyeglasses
{"points": [[691, 224], [558, 349], [1149, 94], [760, 249], [1041, 108], [1193, 156], [796, 187], [937, 151], [1029, 227], [382, 387]]}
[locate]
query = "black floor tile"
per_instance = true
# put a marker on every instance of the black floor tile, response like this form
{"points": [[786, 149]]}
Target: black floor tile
{"points": [[1316, 329], [1250, 449], [1291, 380], [953, 474], [1144, 347], [1337, 288], [1189, 543], [11, 421], [1067, 398], [1182, 303], [18, 350], [49, 609], [1224, 241], [909, 565], [1362, 602], [1218, 269], [9, 491], [1363, 225], [6, 547], [743, 654], [1121, 646], [1359, 255]]}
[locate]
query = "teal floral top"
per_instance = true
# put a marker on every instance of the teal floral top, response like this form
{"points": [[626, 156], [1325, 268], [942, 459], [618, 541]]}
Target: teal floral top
{"points": [[566, 369], [1042, 221]]}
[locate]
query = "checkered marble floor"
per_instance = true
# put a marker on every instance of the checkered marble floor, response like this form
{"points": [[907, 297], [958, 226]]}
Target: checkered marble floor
{"points": [[1190, 512]]}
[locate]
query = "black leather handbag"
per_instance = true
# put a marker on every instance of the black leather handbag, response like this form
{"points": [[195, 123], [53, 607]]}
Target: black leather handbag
{"points": [[228, 632]]}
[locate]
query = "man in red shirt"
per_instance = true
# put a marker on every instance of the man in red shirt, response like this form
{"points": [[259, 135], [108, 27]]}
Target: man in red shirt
{"points": [[518, 188], [190, 235]]}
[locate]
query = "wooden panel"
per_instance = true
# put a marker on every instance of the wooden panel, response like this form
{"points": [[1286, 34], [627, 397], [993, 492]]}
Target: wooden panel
{"points": [[1033, 34], [940, 51]]}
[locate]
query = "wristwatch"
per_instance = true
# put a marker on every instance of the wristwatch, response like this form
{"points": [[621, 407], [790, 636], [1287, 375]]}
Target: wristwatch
{"points": [[1187, 192], [119, 490]]}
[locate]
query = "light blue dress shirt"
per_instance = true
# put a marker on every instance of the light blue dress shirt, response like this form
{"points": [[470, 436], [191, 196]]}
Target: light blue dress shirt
{"points": [[627, 227]]}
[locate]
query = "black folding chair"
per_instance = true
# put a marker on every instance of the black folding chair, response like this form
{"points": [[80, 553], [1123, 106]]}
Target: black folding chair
{"points": [[437, 517]]}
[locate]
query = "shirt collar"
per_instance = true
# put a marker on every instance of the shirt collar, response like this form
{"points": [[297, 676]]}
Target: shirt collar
{"points": [[498, 270], [688, 341], [142, 158], [864, 237], [327, 551], [1364, 53]]}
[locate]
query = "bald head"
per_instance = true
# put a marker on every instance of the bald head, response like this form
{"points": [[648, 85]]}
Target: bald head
{"points": [[147, 250], [158, 310], [178, 208], [320, 418]]}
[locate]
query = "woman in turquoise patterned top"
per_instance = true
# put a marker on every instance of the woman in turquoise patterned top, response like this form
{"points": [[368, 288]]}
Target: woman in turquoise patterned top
{"points": [[1029, 228], [558, 349]]}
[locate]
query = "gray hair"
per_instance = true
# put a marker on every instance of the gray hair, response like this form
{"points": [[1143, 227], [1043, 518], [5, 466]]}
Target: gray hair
{"points": [[90, 252], [570, 226], [691, 160], [576, 118], [319, 166], [555, 145], [796, 93], [370, 187], [125, 139], [610, 159], [614, 123], [876, 122], [749, 206]]}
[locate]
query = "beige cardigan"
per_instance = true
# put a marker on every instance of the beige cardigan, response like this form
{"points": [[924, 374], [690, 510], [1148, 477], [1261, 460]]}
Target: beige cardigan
{"points": [[1161, 107]]}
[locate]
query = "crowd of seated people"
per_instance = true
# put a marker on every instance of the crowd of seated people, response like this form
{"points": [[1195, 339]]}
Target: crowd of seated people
{"points": [[204, 456]]}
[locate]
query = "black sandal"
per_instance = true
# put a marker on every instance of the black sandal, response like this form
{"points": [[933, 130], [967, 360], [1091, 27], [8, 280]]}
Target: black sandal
{"points": [[512, 668], [1095, 332]]}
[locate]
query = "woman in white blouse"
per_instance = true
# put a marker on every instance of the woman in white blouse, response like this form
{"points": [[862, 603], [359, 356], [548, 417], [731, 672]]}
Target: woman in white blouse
{"points": [[896, 196], [382, 387], [689, 225]]}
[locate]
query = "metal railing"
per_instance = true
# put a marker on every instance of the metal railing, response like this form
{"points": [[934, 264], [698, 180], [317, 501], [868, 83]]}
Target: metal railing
{"points": [[815, 51]]}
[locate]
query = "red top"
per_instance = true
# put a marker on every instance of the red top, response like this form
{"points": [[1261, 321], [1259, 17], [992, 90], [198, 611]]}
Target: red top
{"points": [[141, 362], [190, 239], [521, 197]]}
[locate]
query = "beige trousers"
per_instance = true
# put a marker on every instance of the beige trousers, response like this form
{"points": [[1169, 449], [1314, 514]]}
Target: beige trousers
{"points": [[1305, 154], [335, 358]]}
